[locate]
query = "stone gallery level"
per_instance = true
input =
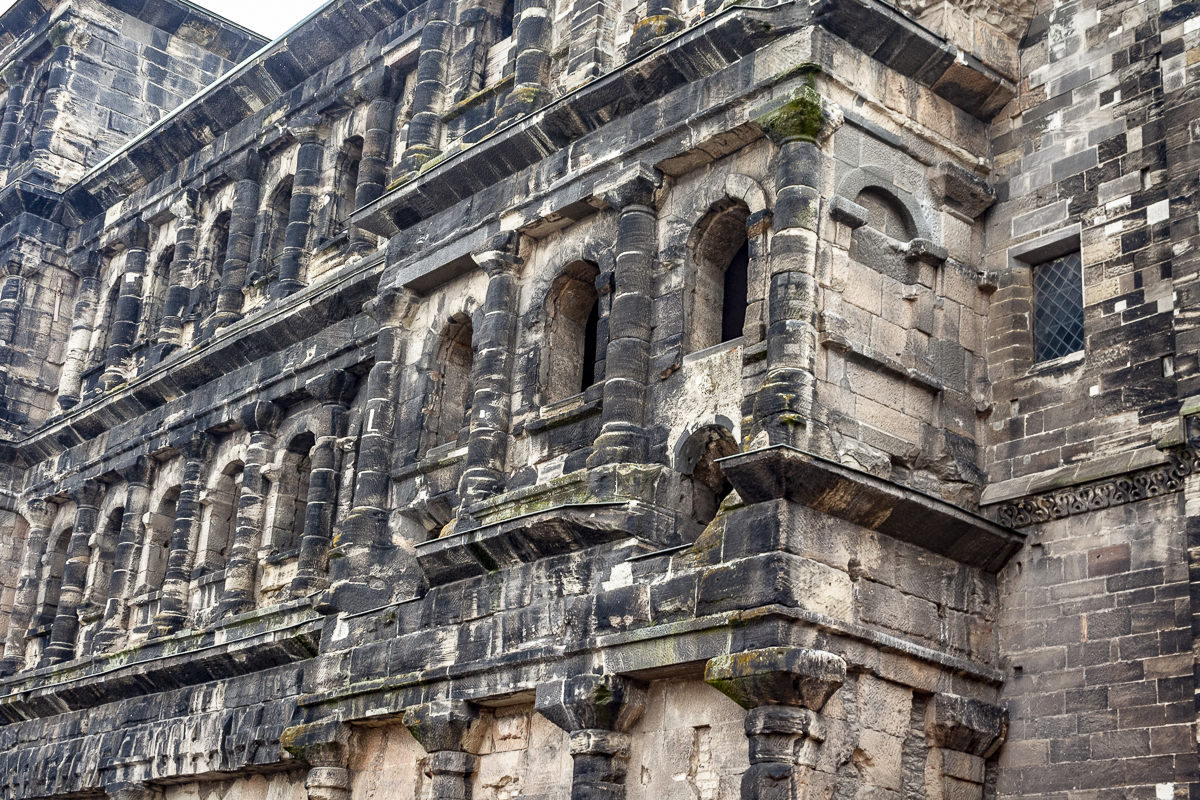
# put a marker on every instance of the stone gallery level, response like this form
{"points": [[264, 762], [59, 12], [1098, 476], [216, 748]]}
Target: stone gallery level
{"points": [[600, 399]]}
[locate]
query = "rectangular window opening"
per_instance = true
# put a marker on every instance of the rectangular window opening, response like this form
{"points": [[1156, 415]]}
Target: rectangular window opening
{"points": [[1058, 307]]}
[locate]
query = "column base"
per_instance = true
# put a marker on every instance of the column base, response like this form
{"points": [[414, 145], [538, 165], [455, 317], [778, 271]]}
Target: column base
{"points": [[285, 287], [56, 653]]}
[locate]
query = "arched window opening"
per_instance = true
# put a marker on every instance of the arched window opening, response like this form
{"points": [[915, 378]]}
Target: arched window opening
{"points": [[218, 249], [574, 311], [158, 543], [102, 333], [100, 568], [720, 292], [709, 486], [221, 520], [347, 183], [54, 563], [289, 493], [156, 294], [885, 214], [276, 224], [455, 359]]}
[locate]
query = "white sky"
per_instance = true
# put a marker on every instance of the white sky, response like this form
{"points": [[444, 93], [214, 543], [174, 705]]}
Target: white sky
{"points": [[268, 17]]}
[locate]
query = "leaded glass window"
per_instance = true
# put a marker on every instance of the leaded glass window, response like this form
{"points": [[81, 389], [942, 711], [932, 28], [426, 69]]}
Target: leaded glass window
{"points": [[1058, 307]]}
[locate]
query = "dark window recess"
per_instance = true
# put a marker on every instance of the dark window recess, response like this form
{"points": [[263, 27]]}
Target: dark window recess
{"points": [[1058, 307], [733, 316], [590, 332]]}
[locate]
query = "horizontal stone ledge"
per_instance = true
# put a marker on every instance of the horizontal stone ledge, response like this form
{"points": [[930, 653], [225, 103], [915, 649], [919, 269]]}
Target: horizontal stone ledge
{"points": [[242, 645], [534, 536], [782, 472], [872, 357], [662, 650]]}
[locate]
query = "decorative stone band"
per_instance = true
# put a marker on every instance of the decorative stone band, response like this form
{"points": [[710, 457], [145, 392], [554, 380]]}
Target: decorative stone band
{"points": [[1152, 482]]}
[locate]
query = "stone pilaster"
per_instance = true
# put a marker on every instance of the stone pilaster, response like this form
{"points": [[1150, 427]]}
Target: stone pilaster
{"points": [[304, 191], [197, 453], [335, 391], [491, 412], [325, 748], [534, 34], [627, 361], [783, 689], [40, 516], [442, 727], [247, 171], [74, 580], [15, 76], [87, 266], [125, 562], [261, 419], [366, 569], [662, 21], [424, 140], [592, 46], [11, 290], [784, 405], [962, 734], [181, 279], [129, 306], [598, 712], [377, 144], [63, 36]]}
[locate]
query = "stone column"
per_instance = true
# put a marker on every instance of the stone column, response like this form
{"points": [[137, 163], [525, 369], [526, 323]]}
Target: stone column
{"points": [[325, 748], [10, 311], [15, 77], [491, 408], [63, 36], [662, 21], [129, 306], [534, 32], [261, 419], [592, 49], [627, 361], [197, 452], [442, 727], [377, 145], [962, 734], [425, 126], [87, 266], [783, 688], [125, 561], [597, 711], [783, 407], [335, 391], [304, 190], [40, 516], [247, 171], [74, 580], [181, 279], [366, 569]]}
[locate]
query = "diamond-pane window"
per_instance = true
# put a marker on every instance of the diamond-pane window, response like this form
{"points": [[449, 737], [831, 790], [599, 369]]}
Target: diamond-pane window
{"points": [[1058, 307]]}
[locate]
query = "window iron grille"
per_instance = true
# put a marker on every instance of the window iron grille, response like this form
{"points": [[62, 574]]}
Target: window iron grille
{"points": [[1058, 307]]}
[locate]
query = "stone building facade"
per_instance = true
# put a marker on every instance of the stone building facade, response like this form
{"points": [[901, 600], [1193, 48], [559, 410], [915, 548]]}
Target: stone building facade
{"points": [[614, 400]]}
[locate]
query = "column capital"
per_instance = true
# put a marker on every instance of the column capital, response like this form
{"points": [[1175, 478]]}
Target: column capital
{"points": [[306, 128], [803, 116], [636, 185], [135, 234], [592, 702], [87, 263], [247, 166], [441, 724], [196, 446], [86, 494], [185, 207], [260, 416], [318, 744], [379, 84], [393, 306], [499, 255], [13, 74], [39, 512], [791, 676], [139, 472], [334, 387], [968, 726]]}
